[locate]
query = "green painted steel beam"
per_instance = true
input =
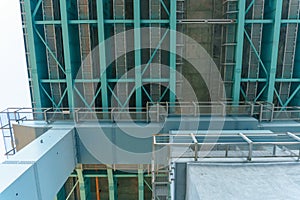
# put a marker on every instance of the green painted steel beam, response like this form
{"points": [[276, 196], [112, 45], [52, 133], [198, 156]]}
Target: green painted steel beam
{"points": [[258, 21], [274, 51], [102, 54], [279, 80], [49, 50], [292, 96], [37, 6], [256, 53], [36, 92], [83, 190], [111, 185], [260, 93], [110, 80], [293, 80], [155, 51], [47, 22], [82, 98], [296, 72], [239, 52], [53, 80], [163, 94], [278, 97], [290, 21], [137, 53], [115, 96], [249, 6], [165, 7], [49, 97], [141, 183], [147, 94], [67, 54], [172, 62], [106, 21], [254, 80]]}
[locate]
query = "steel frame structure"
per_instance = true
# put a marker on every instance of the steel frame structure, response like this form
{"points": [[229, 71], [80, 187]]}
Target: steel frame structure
{"points": [[38, 42], [258, 80], [58, 40], [268, 69]]}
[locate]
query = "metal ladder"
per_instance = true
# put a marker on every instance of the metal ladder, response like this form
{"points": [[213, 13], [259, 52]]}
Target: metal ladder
{"points": [[161, 179], [85, 50], [50, 38], [25, 35], [7, 133], [179, 48], [120, 49], [228, 44], [256, 38], [289, 50]]}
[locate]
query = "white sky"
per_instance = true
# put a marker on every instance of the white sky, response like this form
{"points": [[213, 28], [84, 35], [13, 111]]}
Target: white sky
{"points": [[14, 88]]}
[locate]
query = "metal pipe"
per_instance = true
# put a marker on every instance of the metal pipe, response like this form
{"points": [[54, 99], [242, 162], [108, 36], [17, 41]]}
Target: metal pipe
{"points": [[73, 188], [97, 189]]}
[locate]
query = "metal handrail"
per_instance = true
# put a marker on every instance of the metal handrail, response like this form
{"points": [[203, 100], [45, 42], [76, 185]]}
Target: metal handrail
{"points": [[245, 139], [264, 111]]}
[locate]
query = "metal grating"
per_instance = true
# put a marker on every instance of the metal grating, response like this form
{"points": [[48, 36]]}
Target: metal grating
{"points": [[289, 50], [52, 52], [120, 49], [256, 39], [85, 50]]}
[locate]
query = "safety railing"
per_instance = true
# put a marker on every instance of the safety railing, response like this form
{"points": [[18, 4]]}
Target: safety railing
{"points": [[153, 111], [241, 145]]}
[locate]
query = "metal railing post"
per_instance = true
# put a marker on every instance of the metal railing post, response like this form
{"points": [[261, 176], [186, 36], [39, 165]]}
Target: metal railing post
{"points": [[252, 109], [250, 151], [195, 108], [261, 112], [272, 113], [157, 112], [147, 112]]}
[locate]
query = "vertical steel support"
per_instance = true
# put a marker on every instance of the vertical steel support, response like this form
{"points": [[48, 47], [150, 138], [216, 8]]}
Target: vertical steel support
{"points": [[239, 52], [141, 183], [82, 185], [296, 98], [137, 53], [274, 52], [102, 53], [33, 60], [67, 55], [111, 185], [172, 51]]}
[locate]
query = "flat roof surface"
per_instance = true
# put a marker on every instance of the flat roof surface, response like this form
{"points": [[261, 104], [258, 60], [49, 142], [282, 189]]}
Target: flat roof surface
{"points": [[243, 181]]}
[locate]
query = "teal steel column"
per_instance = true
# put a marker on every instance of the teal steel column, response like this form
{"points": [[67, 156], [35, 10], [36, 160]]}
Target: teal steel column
{"points": [[137, 53], [67, 55], [36, 93], [84, 189], [102, 54], [141, 183], [172, 51], [296, 99], [274, 52], [111, 185], [239, 52]]}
